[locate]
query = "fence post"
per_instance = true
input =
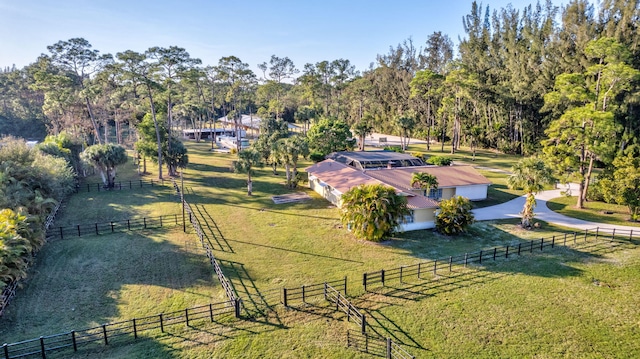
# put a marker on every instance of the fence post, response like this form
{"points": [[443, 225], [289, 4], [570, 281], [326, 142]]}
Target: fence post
{"points": [[435, 266], [585, 234], [345, 285], [303, 295], [541, 243], [495, 250], [6, 350], [160, 221], [129, 184], [401, 267], [135, 329], [111, 227], [613, 234], [597, 232], [161, 323], [97, 233], [42, 348], [144, 220], [388, 347], [506, 252], [78, 230], [631, 234], [284, 297], [128, 225], [211, 312], [364, 281], [186, 316], [466, 256], [325, 291], [382, 276], [419, 265], [88, 188], [176, 215], [450, 262], [575, 236], [480, 261], [553, 241], [104, 332], [363, 326], [237, 306], [519, 246], [73, 341], [531, 246], [564, 243], [61, 236]]}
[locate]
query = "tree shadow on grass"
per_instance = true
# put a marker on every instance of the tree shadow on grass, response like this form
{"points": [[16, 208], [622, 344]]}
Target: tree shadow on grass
{"points": [[255, 305]]}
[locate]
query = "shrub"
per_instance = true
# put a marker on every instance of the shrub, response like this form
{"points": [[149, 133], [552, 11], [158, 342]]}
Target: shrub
{"points": [[454, 216], [394, 149], [316, 157], [439, 161]]}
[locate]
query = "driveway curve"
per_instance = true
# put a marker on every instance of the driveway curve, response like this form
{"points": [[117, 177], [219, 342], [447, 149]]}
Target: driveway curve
{"points": [[513, 208]]}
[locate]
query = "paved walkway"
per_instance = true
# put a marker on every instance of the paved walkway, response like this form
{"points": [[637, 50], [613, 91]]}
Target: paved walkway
{"points": [[513, 208]]}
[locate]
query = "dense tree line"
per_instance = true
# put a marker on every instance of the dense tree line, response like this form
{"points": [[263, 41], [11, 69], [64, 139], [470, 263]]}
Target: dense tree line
{"points": [[559, 79]]}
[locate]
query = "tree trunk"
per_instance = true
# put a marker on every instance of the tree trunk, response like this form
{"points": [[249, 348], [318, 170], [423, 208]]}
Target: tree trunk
{"points": [[287, 169], [93, 120], [249, 185], [155, 123], [587, 179]]}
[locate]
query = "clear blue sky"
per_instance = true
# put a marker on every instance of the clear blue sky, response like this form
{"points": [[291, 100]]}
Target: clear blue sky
{"points": [[253, 30]]}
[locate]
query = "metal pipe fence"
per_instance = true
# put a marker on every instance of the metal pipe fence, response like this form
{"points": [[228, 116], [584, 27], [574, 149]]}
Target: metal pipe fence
{"points": [[120, 185], [419, 270], [377, 346], [292, 296], [108, 333], [99, 228]]}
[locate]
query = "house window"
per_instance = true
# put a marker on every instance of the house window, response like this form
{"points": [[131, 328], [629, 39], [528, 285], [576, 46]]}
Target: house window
{"points": [[435, 194], [408, 218]]}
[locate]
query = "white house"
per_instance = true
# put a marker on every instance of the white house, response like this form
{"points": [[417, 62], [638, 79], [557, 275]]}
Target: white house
{"points": [[331, 179]]}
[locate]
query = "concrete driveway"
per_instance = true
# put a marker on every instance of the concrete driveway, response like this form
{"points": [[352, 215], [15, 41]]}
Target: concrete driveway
{"points": [[513, 208]]}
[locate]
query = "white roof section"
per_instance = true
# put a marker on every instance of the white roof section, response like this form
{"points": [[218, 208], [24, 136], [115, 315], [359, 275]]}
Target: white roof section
{"points": [[253, 121], [248, 121]]}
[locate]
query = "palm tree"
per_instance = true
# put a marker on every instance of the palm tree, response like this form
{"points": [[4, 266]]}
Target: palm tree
{"points": [[105, 158], [424, 181], [294, 147], [531, 174], [247, 161], [373, 211], [405, 125], [362, 129]]}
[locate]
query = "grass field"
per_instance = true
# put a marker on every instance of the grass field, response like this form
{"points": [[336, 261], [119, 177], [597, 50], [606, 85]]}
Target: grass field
{"points": [[612, 214], [567, 302]]}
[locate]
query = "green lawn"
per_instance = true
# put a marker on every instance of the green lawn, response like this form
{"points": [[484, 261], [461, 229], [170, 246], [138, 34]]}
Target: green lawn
{"points": [[608, 213], [573, 302]]}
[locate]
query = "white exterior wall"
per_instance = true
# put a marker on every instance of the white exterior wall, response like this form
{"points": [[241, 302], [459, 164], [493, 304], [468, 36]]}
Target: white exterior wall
{"points": [[473, 193], [325, 191], [406, 227]]}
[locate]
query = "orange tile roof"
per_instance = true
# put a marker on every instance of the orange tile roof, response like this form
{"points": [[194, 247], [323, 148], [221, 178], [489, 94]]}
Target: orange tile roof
{"points": [[448, 176]]}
